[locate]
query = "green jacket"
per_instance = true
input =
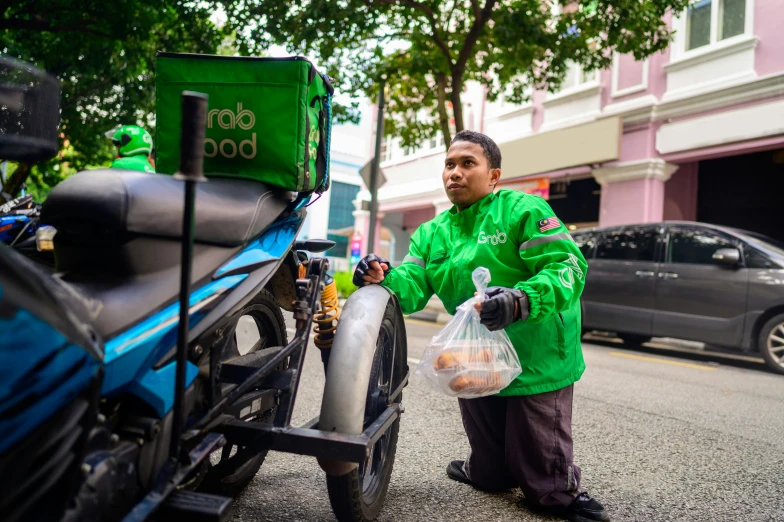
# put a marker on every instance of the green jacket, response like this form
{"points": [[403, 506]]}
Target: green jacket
{"points": [[138, 162], [519, 239]]}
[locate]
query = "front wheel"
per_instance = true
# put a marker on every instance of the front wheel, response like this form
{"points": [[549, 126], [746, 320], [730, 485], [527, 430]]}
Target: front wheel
{"points": [[261, 326], [771, 343], [359, 495]]}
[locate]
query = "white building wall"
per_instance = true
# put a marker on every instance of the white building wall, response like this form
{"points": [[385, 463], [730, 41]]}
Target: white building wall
{"points": [[347, 156]]}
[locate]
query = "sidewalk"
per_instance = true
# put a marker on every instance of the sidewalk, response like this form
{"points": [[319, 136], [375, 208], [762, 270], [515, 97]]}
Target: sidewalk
{"points": [[434, 312]]}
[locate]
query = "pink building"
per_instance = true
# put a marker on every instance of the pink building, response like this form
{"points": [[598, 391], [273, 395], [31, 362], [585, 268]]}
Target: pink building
{"points": [[694, 133]]}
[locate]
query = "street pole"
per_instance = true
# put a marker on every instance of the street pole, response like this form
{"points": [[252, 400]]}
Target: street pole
{"points": [[374, 168]]}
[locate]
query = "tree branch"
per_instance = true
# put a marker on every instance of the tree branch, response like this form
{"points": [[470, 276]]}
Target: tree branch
{"points": [[431, 17], [78, 95], [458, 69], [475, 8], [443, 116], [15, 181], [448, 21], [473, 35], [44, 26], [433, 25]]}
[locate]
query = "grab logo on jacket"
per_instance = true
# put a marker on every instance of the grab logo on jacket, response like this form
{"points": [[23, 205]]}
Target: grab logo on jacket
{"points": [[226, 119], [495, 239], [572, 269]]}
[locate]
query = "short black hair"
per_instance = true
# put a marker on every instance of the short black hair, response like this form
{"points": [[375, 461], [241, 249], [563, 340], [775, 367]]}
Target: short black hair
{"points": [[492, 152]]}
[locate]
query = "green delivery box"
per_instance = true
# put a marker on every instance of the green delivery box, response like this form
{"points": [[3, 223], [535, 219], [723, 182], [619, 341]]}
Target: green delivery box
{"points": [[268, 119]]}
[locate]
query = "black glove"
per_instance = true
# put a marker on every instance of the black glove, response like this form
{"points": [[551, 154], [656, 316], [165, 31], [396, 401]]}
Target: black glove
{"points": [[363, 268], [498, 308]]}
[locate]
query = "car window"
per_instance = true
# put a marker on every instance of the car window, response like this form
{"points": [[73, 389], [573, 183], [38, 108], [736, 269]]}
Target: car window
{"points": [[757, 259], [633, 244], [696, 246], [586, 243], [765, 243]]}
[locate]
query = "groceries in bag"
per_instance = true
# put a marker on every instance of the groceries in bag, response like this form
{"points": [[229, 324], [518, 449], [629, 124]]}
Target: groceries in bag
{"points": [[467, 360]]}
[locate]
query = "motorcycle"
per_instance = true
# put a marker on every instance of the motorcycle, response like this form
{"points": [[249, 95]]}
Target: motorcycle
{"points": [[20, 220], [126, 392]]}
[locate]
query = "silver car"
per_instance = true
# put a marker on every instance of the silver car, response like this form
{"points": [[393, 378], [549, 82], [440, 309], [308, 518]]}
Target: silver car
{"points": [[717, 285]]}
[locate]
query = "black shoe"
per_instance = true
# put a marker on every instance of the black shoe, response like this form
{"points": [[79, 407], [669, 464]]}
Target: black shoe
{"points": [[586, 509], [456, 471]]}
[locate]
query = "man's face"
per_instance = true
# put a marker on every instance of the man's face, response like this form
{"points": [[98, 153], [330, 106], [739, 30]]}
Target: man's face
{"points": [[467, 176]]}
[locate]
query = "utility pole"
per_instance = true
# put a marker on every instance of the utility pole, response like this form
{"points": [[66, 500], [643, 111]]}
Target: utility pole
{"points": [[374, 167]]}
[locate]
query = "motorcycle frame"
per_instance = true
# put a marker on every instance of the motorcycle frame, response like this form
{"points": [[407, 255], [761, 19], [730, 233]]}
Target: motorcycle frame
{"points": [[216, 427]]}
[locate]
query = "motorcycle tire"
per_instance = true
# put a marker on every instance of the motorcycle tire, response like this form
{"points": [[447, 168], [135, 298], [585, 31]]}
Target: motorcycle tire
{"points": [[359, 495], [266, 314]]}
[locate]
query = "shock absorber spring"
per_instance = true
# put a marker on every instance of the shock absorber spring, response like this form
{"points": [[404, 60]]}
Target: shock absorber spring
{"points": [[327, 319]]}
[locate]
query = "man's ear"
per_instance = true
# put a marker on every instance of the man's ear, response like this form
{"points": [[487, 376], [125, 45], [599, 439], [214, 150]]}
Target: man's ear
{"points": [[495, 176]]}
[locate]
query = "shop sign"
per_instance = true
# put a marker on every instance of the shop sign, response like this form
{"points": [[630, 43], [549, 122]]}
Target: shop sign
{"points": [[536, 186], [356, 248]]}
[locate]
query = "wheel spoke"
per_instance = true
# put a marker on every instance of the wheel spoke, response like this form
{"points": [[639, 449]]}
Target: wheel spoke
{"points": [[226, 453], [781, 329], [777, 339]]}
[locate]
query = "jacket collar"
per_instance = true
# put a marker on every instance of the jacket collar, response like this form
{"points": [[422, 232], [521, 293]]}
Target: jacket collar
{"points": [[474, 210]]}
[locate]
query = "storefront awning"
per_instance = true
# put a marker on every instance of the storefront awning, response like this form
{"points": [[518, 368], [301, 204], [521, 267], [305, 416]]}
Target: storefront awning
{"points": [[587, 144], [345, 232]]}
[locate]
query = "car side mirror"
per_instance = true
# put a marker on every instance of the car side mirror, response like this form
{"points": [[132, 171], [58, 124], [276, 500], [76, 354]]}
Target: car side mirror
{"points": [[727, 256]]}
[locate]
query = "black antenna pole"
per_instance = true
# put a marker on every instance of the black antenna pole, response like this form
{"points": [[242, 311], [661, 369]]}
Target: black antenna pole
{"points": [[194, 121]]}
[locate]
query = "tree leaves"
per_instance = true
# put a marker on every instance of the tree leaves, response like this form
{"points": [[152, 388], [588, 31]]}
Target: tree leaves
{"points": [[103, 53], [509, 46]]}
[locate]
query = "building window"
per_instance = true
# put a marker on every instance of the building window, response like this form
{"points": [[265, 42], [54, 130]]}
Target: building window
{"points": [[733, 18], [341, 215], [386, 149], [710, 21], [437, 142], [576, 76]]}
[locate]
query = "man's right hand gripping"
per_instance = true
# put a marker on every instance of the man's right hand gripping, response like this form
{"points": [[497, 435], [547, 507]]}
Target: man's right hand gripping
{"points": [[371, 270]]}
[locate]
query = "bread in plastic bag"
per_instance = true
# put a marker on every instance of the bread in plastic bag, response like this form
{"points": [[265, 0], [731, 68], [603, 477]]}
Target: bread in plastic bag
{"points": [[467, 360]]}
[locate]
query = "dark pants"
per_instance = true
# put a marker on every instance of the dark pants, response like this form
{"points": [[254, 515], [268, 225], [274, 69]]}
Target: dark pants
{"points": [[523, 441]]}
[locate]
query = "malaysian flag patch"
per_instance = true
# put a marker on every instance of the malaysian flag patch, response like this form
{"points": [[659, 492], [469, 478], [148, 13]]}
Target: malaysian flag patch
{"points": [[548, 224]]}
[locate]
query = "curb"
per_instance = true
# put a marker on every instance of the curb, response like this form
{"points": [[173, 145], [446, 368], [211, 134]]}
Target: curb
{"points": [[431, 317]]}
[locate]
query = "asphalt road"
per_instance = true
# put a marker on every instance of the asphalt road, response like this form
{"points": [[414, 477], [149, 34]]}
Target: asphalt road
{"points": [[660, 435]]}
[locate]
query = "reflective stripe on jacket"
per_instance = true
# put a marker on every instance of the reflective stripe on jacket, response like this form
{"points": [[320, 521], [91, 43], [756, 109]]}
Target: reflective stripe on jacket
{"points": [[524, 245]]}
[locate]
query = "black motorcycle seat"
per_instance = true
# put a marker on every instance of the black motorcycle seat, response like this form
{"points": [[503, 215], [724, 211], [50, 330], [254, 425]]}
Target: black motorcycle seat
{"points": [[229, 212], [118, 302]]}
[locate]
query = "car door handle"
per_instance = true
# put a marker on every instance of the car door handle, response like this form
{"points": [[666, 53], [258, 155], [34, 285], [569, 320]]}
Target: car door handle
{"points": [[644, 273], [668, 275]]}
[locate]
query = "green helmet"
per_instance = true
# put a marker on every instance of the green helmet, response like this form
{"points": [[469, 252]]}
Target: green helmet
{"points": [[131, 140]]}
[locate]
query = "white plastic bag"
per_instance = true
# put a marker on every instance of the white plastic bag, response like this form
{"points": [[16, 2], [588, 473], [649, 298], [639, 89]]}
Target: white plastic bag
{"points": [[467, 360]]}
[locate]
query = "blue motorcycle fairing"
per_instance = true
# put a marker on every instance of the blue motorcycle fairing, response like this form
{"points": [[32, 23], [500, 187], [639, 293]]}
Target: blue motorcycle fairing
{"points": [[156, 387], [271, 245], [36, 378], [130, 356], [11, 225]]}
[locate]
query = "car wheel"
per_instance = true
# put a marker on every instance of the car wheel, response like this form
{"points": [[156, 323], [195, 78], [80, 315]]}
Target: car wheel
{"points": [[771, 343], [633, 339]]}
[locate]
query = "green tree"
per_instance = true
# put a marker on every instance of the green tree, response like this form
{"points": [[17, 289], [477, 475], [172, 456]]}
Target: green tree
{"points": [[103, 53], [429, 49]]}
